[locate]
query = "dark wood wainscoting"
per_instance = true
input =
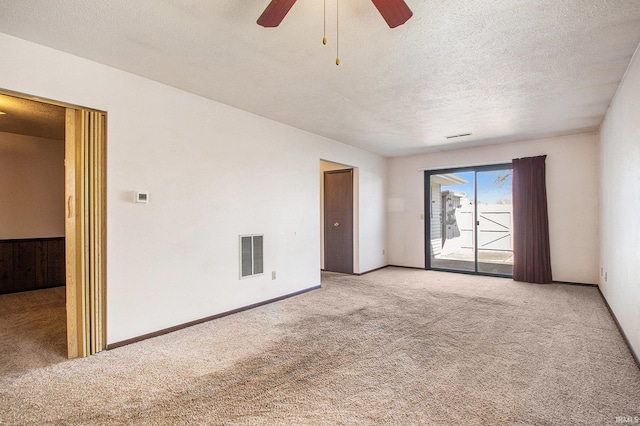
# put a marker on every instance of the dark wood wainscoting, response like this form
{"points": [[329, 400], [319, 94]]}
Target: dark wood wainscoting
{"points": [[31, 264]]}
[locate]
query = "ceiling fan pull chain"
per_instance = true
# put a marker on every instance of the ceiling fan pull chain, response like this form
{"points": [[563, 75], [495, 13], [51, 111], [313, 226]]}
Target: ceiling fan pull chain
{"points": [[324, 35], [337, 33]]}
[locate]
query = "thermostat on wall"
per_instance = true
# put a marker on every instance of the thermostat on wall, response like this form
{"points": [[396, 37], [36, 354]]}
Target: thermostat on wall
{"points": [[142, 197]]}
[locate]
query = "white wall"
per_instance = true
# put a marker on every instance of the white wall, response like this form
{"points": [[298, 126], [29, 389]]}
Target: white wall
{"points": [[213, 172], [572, 182], [620, 205], [31, 187], [369, 207]]}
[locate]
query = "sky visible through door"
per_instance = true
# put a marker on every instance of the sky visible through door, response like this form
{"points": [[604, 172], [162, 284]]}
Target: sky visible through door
{"points": [[467, 234], [494, 187]]}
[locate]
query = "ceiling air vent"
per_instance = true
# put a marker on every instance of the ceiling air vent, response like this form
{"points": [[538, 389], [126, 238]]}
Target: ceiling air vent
{"points": [[458, 136]]}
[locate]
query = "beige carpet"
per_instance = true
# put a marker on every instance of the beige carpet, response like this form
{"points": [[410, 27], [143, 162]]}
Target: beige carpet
{"points": [[32, 330], [396, 346]]}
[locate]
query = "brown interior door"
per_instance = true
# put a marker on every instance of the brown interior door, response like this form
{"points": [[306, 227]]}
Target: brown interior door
{"points": [[338, 221]]}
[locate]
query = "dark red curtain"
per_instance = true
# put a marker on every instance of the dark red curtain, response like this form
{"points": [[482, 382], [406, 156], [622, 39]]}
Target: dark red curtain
{"points": [[531, 254]]}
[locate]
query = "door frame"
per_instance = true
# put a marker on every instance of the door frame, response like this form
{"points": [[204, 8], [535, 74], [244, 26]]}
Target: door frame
{"points": [[85, 225], [427, 213], [85, 230], [350, 229], [328, 165]]}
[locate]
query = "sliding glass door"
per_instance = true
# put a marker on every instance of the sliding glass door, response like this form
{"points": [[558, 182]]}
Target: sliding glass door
{"points": [[469, 221], [452, 217]]}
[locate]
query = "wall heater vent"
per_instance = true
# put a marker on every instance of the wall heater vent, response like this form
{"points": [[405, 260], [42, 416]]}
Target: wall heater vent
{"points": [[251, 255], [458, 136]]}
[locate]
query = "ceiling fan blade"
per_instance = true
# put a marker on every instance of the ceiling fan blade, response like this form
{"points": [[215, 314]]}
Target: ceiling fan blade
{"points": [[275, 13], [395, 12]]}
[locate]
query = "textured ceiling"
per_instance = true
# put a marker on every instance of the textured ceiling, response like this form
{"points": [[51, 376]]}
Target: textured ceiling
{"points": [[503, 70], [31, 118]]}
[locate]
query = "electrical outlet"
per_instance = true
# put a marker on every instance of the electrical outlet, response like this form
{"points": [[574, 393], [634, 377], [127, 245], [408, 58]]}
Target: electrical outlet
{"points": [[273, 275], [605, 276]]}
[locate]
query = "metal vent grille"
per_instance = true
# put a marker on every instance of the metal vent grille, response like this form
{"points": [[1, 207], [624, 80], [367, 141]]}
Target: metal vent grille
{"points": [[458, 136], [251, 255]]}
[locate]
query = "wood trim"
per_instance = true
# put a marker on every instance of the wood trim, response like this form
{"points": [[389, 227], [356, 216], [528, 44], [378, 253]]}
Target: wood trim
{"points": [[101, 194], [31, 264], [96, 216], [93, 229], [408, 267], [202, 320], [371, 270], [83, 209], [85, 229], [26, 240], [74, 317], [45, 100], [574, 283], [624, 336], [486, 275], [94, 285], [359, 273]]}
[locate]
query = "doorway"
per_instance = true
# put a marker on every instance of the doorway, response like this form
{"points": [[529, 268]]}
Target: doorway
{"points": [[84, 134], [469, 220], [338, 221]]}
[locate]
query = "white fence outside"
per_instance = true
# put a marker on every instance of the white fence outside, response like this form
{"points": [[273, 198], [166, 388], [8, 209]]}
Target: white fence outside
{"points": [[494, 226]]}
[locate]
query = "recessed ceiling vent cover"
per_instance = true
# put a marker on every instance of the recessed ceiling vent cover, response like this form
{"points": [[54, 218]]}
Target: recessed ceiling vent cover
{"points": [[458, 136]]}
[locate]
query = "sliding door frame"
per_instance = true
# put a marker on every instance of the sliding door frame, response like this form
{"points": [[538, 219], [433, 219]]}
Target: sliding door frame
{"points": [[427, 213]]}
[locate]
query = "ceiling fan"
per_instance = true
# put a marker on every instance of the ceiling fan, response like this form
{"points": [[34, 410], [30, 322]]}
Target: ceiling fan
{"points": [[395, 12]]}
